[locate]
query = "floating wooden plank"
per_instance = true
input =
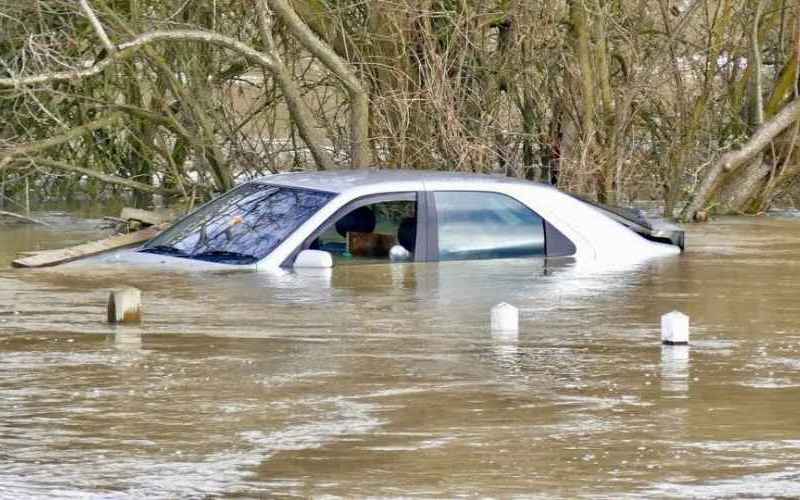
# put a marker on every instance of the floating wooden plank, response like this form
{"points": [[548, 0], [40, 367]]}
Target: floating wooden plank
{"points": [[22, 218], [147, 216], [28, 253], [54, 257]]}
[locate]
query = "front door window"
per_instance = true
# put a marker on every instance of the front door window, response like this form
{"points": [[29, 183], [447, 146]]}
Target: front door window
{"points": [[378, 232]]}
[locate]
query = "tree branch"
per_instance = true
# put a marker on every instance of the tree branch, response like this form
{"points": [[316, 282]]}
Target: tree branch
{"points": [[108, 178], [128, 49], [98, 27], [26, 149]]}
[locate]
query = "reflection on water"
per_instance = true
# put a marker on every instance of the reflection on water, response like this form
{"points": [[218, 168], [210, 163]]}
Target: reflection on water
{"points": [[387, 380], [675, 368], [127, 340]]}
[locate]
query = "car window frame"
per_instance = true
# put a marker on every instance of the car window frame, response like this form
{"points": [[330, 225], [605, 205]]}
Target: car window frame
{"points": [[556, 244], [422, 249]]}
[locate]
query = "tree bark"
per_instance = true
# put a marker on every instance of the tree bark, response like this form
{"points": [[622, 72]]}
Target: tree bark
{"points": [[741, 192]]}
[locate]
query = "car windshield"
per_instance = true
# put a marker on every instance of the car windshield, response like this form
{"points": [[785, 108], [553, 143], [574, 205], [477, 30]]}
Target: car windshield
{"points": [[242, 226]]}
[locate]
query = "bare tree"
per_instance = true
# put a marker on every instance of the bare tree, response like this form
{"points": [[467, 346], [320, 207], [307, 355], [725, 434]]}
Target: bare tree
{"points": [[689, 103]]}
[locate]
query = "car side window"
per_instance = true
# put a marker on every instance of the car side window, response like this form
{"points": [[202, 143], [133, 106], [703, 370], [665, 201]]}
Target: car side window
{"points": [[481, 225], [383, 231]]}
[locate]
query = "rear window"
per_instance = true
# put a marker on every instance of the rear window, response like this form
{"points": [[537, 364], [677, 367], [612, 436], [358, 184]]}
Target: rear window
{"points": [[242, 226], [626, 216]]}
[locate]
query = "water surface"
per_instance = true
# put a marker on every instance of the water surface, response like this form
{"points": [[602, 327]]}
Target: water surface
{"points": [[385, 379]]}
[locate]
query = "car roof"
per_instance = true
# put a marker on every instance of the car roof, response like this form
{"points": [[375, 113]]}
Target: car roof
{"points": [[339, 181]]}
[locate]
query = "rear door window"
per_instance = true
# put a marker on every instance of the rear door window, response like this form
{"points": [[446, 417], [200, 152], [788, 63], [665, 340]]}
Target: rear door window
{"points": [[480, 225]]}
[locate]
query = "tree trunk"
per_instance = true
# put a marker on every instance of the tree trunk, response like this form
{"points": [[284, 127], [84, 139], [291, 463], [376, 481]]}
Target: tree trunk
{"points": [[742, 192], [581, 42]]}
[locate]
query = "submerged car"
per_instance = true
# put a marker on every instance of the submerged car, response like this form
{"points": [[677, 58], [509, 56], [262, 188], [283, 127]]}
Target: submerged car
{"points": [[322, 219]]}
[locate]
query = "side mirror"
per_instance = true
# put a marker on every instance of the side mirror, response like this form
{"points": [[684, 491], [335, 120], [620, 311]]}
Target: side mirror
{"points": [[314, 258]]}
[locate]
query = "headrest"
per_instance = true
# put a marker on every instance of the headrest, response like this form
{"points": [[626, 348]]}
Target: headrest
{"points": [[407, 233], [399, 254], [360, 220]]}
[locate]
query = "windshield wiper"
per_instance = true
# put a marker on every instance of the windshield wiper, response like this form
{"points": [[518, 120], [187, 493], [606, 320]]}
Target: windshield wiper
{"points": [[165, 250], [225, 257]]}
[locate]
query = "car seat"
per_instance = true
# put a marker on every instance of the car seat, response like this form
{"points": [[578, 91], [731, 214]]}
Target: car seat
{"points": [[407, 237]]}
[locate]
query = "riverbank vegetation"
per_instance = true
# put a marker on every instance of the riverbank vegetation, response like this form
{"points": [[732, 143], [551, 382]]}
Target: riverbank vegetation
{"points": [[693, 103]]}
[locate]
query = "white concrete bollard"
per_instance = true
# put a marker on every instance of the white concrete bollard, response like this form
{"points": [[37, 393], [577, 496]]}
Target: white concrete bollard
{"points": [[125, 306], [675, 328], [505, 318]]}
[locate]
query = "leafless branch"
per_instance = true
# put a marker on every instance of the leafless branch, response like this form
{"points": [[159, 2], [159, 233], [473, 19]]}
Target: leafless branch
{"points": [[128, 49], [7, 156], [98, 26]]}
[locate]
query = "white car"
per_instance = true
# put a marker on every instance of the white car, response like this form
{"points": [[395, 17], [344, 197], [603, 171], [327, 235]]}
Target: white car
{"points": [[321, 219]]}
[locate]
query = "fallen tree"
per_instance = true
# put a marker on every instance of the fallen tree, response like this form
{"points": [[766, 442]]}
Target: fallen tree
{"points": [[741, 170]]}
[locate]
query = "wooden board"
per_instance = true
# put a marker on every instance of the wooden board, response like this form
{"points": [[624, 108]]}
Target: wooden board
{"points": [[54, 257]]}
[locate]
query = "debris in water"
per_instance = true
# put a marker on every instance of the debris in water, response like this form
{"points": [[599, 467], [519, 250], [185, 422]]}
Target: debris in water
{"points": [[21, 218]]}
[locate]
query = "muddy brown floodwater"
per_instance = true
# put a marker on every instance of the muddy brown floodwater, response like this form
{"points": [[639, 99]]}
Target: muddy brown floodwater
{"points": [[385, 380]]}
